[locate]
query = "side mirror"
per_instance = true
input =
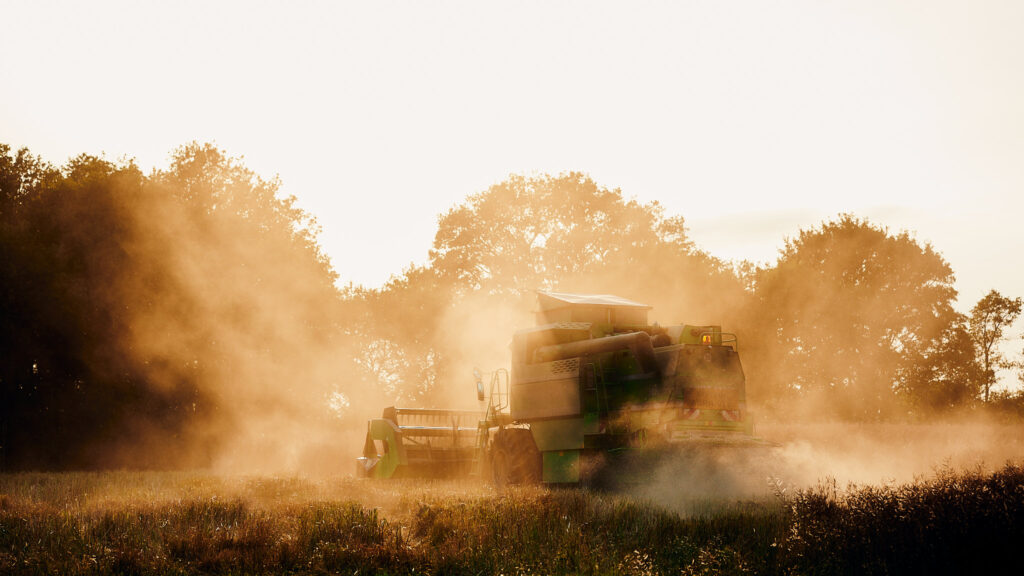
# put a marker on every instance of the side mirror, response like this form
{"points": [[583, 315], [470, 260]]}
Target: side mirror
{"points": [[479, 385]]}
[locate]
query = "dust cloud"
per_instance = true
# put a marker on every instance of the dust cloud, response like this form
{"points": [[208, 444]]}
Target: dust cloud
{"points": [[891, 452], [230, 301], [477, 335], [245, 316], [790, 457]]}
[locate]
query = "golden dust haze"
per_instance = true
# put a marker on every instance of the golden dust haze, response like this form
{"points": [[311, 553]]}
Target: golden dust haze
{"points": [[244, 312], [271, 372], [798, 140], [221, 296]]}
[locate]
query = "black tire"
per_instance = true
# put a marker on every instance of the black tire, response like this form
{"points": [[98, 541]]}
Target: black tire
{"points": [[501, 473], [515, 458]]}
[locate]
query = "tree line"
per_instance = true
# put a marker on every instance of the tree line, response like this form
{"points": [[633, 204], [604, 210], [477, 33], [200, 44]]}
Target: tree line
{"points": [[152, 320]]}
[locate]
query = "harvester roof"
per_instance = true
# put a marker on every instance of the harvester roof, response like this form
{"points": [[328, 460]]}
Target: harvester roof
{"points": [[549, 300], [603, 310]]}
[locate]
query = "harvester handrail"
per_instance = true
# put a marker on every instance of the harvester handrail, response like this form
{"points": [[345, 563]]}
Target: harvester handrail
{"points": [[732, 341], [448, 428], [433, 430], [499, 396], [434, 412]]}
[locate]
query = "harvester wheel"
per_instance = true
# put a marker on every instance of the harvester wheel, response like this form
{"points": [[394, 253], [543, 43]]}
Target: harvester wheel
{"points": [[500, 472], [515, 458]]}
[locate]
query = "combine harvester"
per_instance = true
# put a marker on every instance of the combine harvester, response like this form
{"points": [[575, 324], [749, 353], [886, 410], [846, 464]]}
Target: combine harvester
{"points": [[593, 383]]}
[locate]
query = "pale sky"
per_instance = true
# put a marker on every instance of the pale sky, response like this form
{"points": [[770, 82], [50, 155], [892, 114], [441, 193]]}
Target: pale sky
{"points": [[750, 119]]}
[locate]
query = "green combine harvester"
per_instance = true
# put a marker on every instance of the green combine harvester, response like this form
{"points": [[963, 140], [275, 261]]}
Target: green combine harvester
{"points": [[593, 383]]}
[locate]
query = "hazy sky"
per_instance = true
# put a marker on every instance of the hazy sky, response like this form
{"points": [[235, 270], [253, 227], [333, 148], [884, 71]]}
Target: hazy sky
{"points": [[750, 119]]}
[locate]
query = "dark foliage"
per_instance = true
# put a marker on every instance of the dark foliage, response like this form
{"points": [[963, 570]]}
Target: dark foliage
{"points": [[105, 362], [957, 523]]}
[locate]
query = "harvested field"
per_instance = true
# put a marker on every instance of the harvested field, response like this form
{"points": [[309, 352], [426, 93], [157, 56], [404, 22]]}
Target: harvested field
{"points": [[193, 523]]}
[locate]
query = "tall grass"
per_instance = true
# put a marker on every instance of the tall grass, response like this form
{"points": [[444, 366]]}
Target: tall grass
{"points": [[956, 523], [188, 523]]}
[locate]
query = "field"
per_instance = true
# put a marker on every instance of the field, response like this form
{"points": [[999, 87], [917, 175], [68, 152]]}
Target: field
{"points": [[189, 523]]}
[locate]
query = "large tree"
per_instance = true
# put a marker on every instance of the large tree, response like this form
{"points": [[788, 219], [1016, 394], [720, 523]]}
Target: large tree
{"points": [[566, 231], [847, 310], [151, 320], [67, 388], [529, 232], [988, 321]]}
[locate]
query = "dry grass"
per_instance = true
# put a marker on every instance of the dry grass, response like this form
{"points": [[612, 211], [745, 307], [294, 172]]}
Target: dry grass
{"points": [[135, 523], [189, 523], [955, 523]]}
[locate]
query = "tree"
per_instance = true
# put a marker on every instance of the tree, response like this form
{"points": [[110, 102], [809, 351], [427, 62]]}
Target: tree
{"points": [[569, 233], [845, 312], [945, 375], [240, 303], [151, 320], [398, 330], [526, 233], [67, 389], [21, 175], [988, 320]]}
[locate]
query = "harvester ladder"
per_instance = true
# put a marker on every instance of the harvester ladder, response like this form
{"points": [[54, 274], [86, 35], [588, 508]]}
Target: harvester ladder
{"points": [[497, 404]]}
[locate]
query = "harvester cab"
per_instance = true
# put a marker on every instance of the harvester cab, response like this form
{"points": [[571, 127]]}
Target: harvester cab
{"points": [[591, 381]]}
